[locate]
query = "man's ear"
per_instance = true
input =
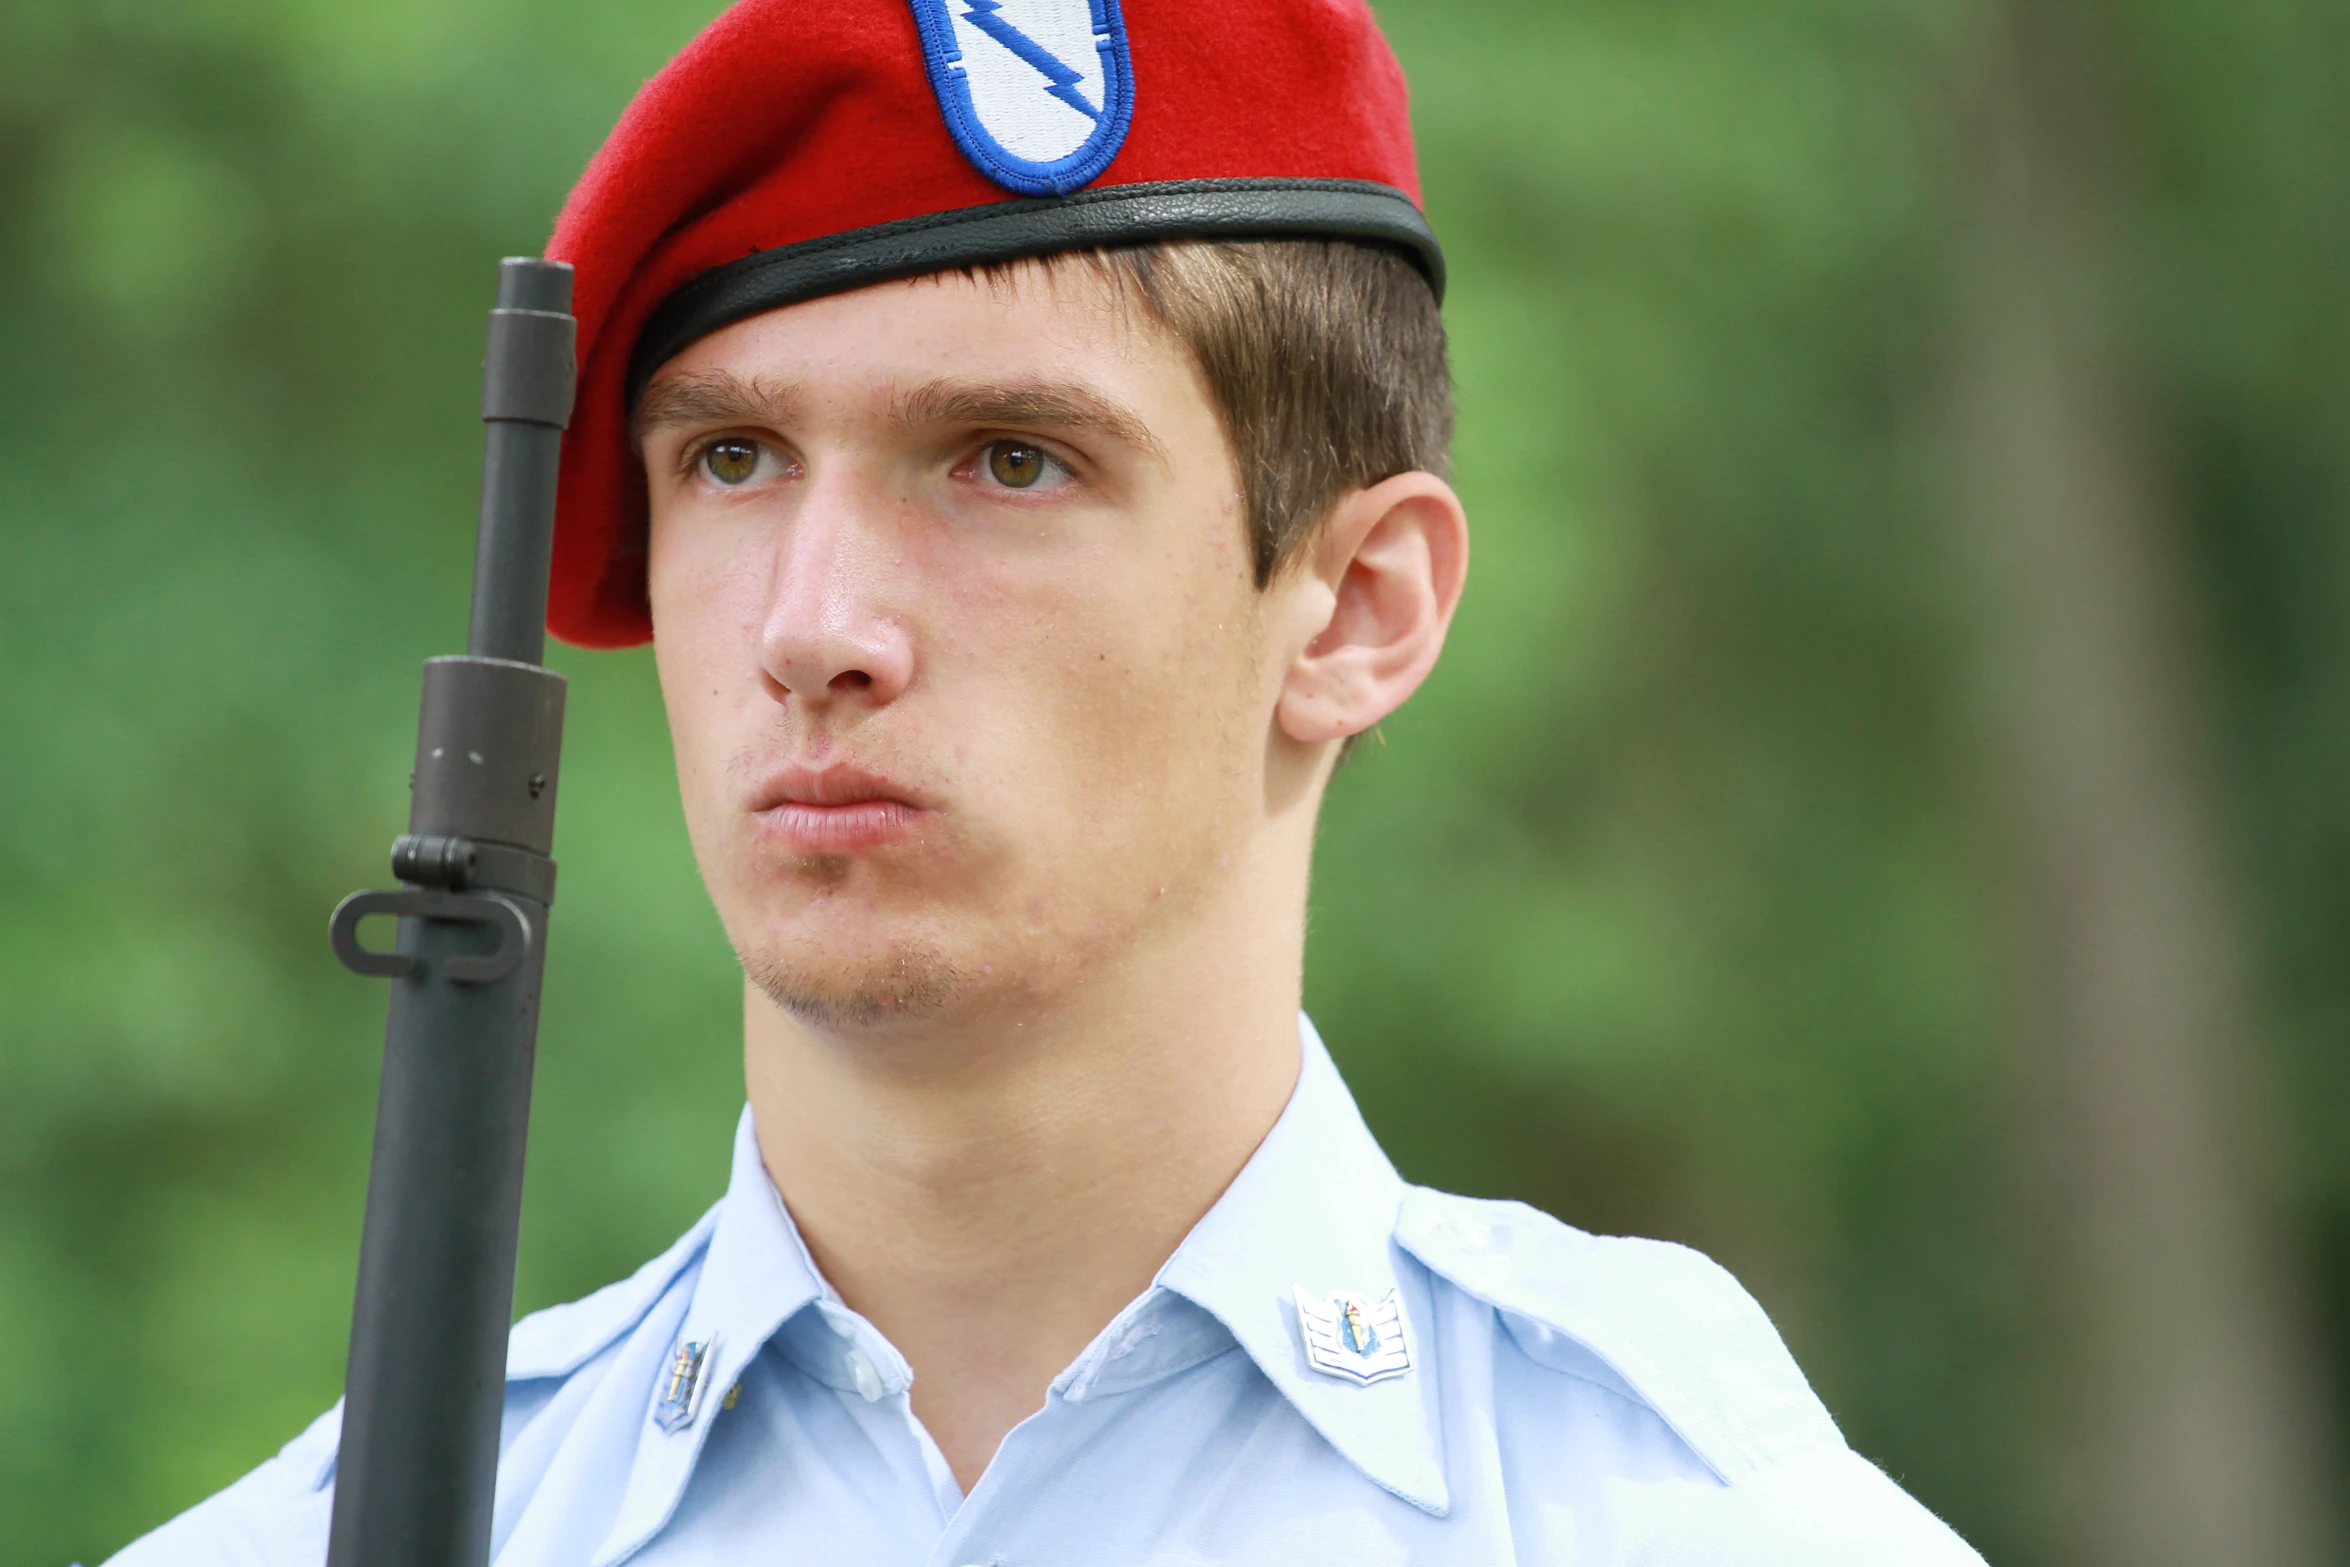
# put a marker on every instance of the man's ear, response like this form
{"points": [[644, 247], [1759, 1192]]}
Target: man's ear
{"points": [[1383, 579]]}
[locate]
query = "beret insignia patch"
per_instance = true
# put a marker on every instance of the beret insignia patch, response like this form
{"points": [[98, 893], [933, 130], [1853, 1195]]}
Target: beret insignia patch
{"points": [[1037, 93]]}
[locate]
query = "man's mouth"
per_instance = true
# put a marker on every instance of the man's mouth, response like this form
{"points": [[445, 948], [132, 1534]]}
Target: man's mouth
{"points": [[834, 810]]}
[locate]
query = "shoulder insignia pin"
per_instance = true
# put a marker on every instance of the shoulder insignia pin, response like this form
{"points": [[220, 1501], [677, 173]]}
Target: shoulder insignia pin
{"points": [[681, 1388], [1353, 1336]]}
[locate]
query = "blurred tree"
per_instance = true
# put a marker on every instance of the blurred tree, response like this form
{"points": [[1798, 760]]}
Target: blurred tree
{"points": [[2193, 1433]]}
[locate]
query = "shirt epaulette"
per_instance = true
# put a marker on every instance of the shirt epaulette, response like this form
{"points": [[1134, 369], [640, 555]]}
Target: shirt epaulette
{"points": [[1668, 1324]]}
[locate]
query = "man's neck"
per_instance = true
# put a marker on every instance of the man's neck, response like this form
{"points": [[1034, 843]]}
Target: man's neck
{"points": [[990, 1194]]}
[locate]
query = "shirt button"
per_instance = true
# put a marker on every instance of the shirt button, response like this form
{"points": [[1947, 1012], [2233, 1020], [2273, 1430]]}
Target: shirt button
{"points": [[868, 1380]]}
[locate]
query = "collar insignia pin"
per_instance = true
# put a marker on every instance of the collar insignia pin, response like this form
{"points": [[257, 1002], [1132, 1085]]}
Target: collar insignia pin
{"points": [[1354, 1336], [681, 1388]]}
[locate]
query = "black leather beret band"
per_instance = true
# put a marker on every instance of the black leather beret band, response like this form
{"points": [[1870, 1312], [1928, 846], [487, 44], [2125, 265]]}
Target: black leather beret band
{"points": [[1011, 230]]}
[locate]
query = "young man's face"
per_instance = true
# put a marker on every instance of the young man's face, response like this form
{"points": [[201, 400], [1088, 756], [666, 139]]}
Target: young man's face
{"points": [[965, 664]]}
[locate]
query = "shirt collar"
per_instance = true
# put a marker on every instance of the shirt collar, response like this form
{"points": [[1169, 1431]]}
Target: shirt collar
{"points": [[756, 1276], [1314, 1211]]}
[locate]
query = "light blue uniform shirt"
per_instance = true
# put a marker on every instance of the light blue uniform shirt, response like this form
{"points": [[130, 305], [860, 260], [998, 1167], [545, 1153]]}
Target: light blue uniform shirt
{"points": [[1529, 1394]]}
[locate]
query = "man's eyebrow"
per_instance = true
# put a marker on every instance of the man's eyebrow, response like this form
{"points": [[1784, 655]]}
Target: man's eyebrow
{"points": [[1064, 405], [714, 397]]}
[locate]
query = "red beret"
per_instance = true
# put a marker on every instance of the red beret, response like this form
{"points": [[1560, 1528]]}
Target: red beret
{"points": [[805, 147]]}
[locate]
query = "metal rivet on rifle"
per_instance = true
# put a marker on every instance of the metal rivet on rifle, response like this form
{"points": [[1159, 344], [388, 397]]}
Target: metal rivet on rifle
{"points": [[538, 784]]}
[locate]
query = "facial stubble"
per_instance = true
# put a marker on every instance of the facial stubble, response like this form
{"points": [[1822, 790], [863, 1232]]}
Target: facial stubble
{"points": [[914, 981]]}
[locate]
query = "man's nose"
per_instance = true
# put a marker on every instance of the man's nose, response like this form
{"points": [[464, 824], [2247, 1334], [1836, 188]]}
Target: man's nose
{"points": [[829, 637]]}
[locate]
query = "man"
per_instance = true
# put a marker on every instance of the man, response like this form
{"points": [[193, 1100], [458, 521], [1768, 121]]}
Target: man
{"points": [[1020, 430]]}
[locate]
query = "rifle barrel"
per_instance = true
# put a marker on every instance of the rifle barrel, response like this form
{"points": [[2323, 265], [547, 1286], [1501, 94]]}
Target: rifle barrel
{"points": [[416, 1472]]}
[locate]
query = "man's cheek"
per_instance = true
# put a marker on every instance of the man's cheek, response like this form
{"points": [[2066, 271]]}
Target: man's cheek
{"points": [[1133, 739]]}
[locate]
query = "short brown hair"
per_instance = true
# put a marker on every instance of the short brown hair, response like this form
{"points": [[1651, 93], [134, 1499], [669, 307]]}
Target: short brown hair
{"points": [[1326, 360]]}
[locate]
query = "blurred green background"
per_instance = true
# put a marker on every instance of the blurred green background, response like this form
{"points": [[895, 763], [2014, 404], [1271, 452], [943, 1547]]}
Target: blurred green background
{"points": [[1884, 817]]}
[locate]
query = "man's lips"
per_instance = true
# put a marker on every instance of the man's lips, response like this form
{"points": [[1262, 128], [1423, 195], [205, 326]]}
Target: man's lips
{"points": [[834, 810]]}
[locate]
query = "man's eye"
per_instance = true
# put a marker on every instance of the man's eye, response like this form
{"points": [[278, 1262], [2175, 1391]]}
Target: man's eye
{"points": [[1017, 465], [731, 461]]}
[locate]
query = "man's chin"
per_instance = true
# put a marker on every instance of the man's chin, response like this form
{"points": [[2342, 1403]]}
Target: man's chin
{"points": [[914, 983]]}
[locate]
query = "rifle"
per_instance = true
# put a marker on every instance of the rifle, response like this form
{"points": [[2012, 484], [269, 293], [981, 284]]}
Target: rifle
{"points": [[416, 1473]]}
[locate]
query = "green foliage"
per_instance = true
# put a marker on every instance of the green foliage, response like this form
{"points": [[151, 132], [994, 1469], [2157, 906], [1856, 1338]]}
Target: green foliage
{"points": [[1673, 905]]}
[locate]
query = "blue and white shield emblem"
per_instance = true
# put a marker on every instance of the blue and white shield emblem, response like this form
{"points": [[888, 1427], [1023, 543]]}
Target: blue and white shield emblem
{"points": [[1037, 93]]}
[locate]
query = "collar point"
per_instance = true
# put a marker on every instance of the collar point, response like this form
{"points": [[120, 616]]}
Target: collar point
{"points": [[1435, 1501]]}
